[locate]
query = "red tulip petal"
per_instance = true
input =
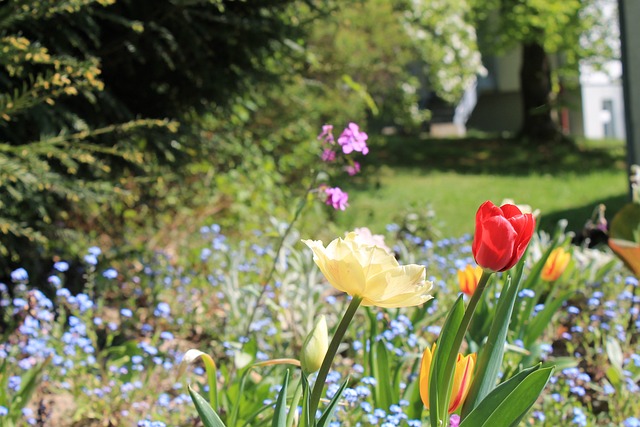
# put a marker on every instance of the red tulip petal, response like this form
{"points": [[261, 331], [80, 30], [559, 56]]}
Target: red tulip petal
{"points": [[494, 248], [486, 211], [527, 227], [510, 211]]}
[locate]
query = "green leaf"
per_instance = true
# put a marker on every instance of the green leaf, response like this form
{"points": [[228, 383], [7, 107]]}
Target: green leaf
{"points": [[325, 419], [490, 357], [614, 352], [509, 402], [381, 371], [412, 394], [305, 419], [614, 376], [190, 357], [362, 92], [207, 414], [29, 382], [543, 318], [532, 282], [604, 270], [560, 363], [439, 395], [280, 416]]}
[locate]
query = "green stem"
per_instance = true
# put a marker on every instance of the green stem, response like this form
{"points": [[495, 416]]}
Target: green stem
{"points": [[455, 348], [318, 386], [294, 402], [272, 270], [469, 311]]}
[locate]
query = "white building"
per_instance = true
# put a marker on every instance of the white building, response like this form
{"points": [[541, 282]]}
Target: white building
{"points": [[602, 101], [595, 110]]}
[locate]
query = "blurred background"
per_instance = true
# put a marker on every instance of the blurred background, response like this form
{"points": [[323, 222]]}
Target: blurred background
{"points": [[127, 124]]}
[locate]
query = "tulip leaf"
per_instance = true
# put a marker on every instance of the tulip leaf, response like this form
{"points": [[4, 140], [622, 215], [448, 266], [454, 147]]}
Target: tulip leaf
{"points": [[614, 352], [412, 395], [531, 282], [543, 318], [190, 357], [325, 419], [614, 376], [381, 371], [439, 376], [207, 414], [560, 363], [491, 354], [508, 403], [280, 416], [305, 418]]}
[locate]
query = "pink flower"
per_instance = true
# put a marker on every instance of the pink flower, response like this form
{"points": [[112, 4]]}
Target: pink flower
{"points": [[336, 198], [454, 421], [352, 139], [327, 134], [353, 169], [328, 155]]}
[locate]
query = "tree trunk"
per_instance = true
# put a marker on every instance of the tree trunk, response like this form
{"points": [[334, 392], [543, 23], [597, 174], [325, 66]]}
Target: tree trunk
{"points": [[535, 84]]}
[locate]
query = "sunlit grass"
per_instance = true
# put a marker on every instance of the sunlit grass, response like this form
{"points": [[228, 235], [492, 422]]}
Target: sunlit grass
{"points": [[455, 195]]}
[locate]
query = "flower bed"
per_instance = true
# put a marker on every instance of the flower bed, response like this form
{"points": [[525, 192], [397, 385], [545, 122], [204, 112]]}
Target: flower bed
{"points": [[112, 354]]}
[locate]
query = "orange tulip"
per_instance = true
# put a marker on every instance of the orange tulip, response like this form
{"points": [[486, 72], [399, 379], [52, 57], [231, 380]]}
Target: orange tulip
{"points": [[461, 378], [468, 279], [555, 265]]}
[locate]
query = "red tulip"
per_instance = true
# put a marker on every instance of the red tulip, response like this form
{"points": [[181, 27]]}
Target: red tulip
{"points": [[502, 235]]}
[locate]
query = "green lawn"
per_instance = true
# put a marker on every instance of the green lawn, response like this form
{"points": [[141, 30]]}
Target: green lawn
{"points": [[455, 176]]}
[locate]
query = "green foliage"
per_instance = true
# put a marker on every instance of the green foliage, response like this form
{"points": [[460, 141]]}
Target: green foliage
{"points": [[50, 160], [164, 58], [444, 34], [132, 362], [14, 402], [443, 362], [577, 29], [207, 414], [490, 357], [362, 48], [71, 69], [508, 403]]}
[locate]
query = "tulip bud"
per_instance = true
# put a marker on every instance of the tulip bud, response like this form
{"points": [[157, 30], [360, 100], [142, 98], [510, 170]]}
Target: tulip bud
{"points": [[555, 265], [468, 279], [462, 377], [315, 347]]}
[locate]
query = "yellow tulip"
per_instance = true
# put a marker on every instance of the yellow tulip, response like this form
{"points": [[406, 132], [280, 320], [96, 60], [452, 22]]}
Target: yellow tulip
{"points": [[468, 279], [461, 378], [555, 264], [370, 272]]}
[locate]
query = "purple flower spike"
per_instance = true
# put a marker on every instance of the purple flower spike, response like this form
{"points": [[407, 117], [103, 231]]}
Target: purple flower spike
{"points": [[352, 139]]}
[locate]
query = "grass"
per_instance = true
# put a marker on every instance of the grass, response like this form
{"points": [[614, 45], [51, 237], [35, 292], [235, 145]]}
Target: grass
{"points": [[453, 177]]}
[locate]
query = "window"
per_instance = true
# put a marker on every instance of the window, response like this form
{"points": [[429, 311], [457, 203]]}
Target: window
{"points": [[607, 118]]}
